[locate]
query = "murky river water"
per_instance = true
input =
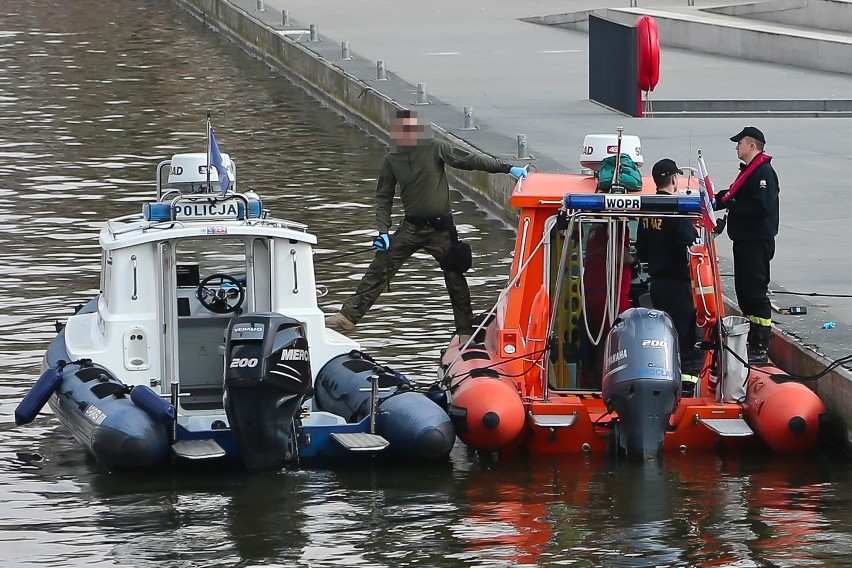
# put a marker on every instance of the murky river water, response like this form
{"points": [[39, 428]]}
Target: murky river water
{"points": [[92, 96]]}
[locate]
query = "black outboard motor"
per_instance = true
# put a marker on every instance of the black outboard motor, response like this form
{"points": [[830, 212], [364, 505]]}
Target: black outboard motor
{"points": [[641, 379], [267, 376]]}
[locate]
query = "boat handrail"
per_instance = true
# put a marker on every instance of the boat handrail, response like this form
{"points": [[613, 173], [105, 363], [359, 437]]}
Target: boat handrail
{"points": [[122, 219], [278, 223], [633, 214], [159, 180], [145, 226]]}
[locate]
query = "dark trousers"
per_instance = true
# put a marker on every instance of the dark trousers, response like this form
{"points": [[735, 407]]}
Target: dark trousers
{"points": [[407, 240], [674, 296], [751, 277]]}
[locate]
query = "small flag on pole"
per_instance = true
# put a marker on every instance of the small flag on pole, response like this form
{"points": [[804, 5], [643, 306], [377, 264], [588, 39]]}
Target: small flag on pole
{"points": [[705, 188], [216, 162]]}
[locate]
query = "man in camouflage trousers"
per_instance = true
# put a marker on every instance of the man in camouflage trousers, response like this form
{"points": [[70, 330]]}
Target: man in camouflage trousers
{"points": [[416, 164]]}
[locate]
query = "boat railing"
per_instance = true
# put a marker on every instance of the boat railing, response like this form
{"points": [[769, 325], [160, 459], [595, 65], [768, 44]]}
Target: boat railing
{"points": [[140, 224]]}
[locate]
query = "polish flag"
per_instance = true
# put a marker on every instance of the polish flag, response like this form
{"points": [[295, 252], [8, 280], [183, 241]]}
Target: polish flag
{"points": [[705, 188]]}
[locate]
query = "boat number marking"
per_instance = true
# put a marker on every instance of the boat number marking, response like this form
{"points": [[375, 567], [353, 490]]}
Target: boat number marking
{"points": [[623, 202], [239, 362], [94, 414]]}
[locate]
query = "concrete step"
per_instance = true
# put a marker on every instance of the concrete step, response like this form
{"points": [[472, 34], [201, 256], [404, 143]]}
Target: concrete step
{"points": [[747, 38], [769, 108], [825, 15], [734, 114]]}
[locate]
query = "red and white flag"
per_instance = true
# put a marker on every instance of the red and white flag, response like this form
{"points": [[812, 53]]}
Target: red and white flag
{"points": [[705, 188]]}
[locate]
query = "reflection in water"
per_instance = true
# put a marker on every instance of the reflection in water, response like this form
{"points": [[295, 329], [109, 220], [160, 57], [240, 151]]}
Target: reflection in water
{"points": [[90, 101]]}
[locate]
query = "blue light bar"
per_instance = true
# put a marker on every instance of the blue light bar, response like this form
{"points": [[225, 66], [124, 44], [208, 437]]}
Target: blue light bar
{"points": [[222, 210], [632, 202]]}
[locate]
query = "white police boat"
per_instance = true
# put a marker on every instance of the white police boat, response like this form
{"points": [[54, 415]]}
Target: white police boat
{"points": [[206, 341]]}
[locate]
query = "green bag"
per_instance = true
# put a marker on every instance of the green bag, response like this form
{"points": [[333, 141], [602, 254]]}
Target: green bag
{"points": [[630, 178]]}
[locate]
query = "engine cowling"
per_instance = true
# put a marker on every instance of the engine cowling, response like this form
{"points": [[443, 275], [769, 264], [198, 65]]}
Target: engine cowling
{"points": [[641, 379], [267, 377]]}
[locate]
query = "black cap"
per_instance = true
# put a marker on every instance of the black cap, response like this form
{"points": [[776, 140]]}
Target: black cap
{"points": [[751, 132], [665, 168]]}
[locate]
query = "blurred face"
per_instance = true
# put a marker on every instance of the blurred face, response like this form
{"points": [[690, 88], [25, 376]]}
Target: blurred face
{"points": [[746, 149], [406, 131]]}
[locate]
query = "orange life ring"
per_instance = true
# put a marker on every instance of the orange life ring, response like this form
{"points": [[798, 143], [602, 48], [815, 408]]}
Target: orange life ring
{"points": [[537, 339], [648, 44], [703, 286]]}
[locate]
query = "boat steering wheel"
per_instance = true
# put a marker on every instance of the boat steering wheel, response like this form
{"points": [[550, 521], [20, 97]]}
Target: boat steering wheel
{"points": [[224, 299]]}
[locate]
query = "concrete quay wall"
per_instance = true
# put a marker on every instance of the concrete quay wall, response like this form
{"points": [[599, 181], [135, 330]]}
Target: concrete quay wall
{"points": [[353, 92], [371, 104]]}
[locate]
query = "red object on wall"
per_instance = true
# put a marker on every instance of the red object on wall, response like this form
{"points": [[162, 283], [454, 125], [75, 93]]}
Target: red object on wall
{"points": [[648, 40]]}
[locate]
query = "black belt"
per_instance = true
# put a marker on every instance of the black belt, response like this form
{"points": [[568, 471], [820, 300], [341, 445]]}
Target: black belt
{"points": [[443, 222]]}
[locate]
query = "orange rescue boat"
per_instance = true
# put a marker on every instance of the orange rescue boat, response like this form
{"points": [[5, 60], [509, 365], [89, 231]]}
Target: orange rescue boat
{"points": [[559, 365]]}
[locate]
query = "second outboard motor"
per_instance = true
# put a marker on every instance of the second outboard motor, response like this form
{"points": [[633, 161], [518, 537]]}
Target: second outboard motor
{"points": [[267, 376], [641, 379]]}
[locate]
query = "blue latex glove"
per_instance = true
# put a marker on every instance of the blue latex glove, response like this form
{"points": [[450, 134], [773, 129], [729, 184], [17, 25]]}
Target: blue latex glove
{"points": [[382, 242], [518, 172]]}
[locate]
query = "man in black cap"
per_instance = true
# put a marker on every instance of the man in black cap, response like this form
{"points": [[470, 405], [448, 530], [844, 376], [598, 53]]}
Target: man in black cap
{"points": [[663, 244], [752, 204]]}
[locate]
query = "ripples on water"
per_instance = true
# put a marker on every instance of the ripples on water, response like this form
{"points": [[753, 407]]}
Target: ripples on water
{"points": [[92, 96]]}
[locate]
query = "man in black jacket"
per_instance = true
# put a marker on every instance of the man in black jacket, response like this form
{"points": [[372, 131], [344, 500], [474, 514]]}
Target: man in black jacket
{"points": [[663, 244], [752, 204], [416, 164]]}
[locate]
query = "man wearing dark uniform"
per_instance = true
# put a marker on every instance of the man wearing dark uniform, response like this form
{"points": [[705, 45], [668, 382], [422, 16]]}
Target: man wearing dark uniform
{"points": [[416, 164], [752, 204], [663, 244]]}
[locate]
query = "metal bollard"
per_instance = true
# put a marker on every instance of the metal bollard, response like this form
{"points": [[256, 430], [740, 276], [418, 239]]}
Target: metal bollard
{"points": [[314, 34], [260, 6], [690, 2], [285, 18], [469, 123], [345, 54], [523, 151], [381, 73], [422, 95]]}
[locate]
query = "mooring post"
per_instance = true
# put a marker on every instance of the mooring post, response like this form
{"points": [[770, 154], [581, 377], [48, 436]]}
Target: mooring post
{"points": [[314, 34], [381, 73], [422, 95], [285, 17], [469, 123], [523, 151], [345, 54]]}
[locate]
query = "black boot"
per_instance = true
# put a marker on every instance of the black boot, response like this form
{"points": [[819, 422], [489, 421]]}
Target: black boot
{"points": [[758, 342]]}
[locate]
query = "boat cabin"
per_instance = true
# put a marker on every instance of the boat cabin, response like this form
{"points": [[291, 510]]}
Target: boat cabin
{"points": [[173, 276]]}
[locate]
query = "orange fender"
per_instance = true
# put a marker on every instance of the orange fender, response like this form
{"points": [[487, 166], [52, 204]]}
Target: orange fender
{"points": [[487, 412], [786, 416]]}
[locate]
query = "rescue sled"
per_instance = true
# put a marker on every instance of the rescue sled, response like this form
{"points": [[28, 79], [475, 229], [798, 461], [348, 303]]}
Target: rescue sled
{"points": [[554, 368], [206, 342]]}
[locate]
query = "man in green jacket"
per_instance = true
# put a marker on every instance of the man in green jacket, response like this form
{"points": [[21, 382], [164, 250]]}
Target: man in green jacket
{"points": [[416, 164]]}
